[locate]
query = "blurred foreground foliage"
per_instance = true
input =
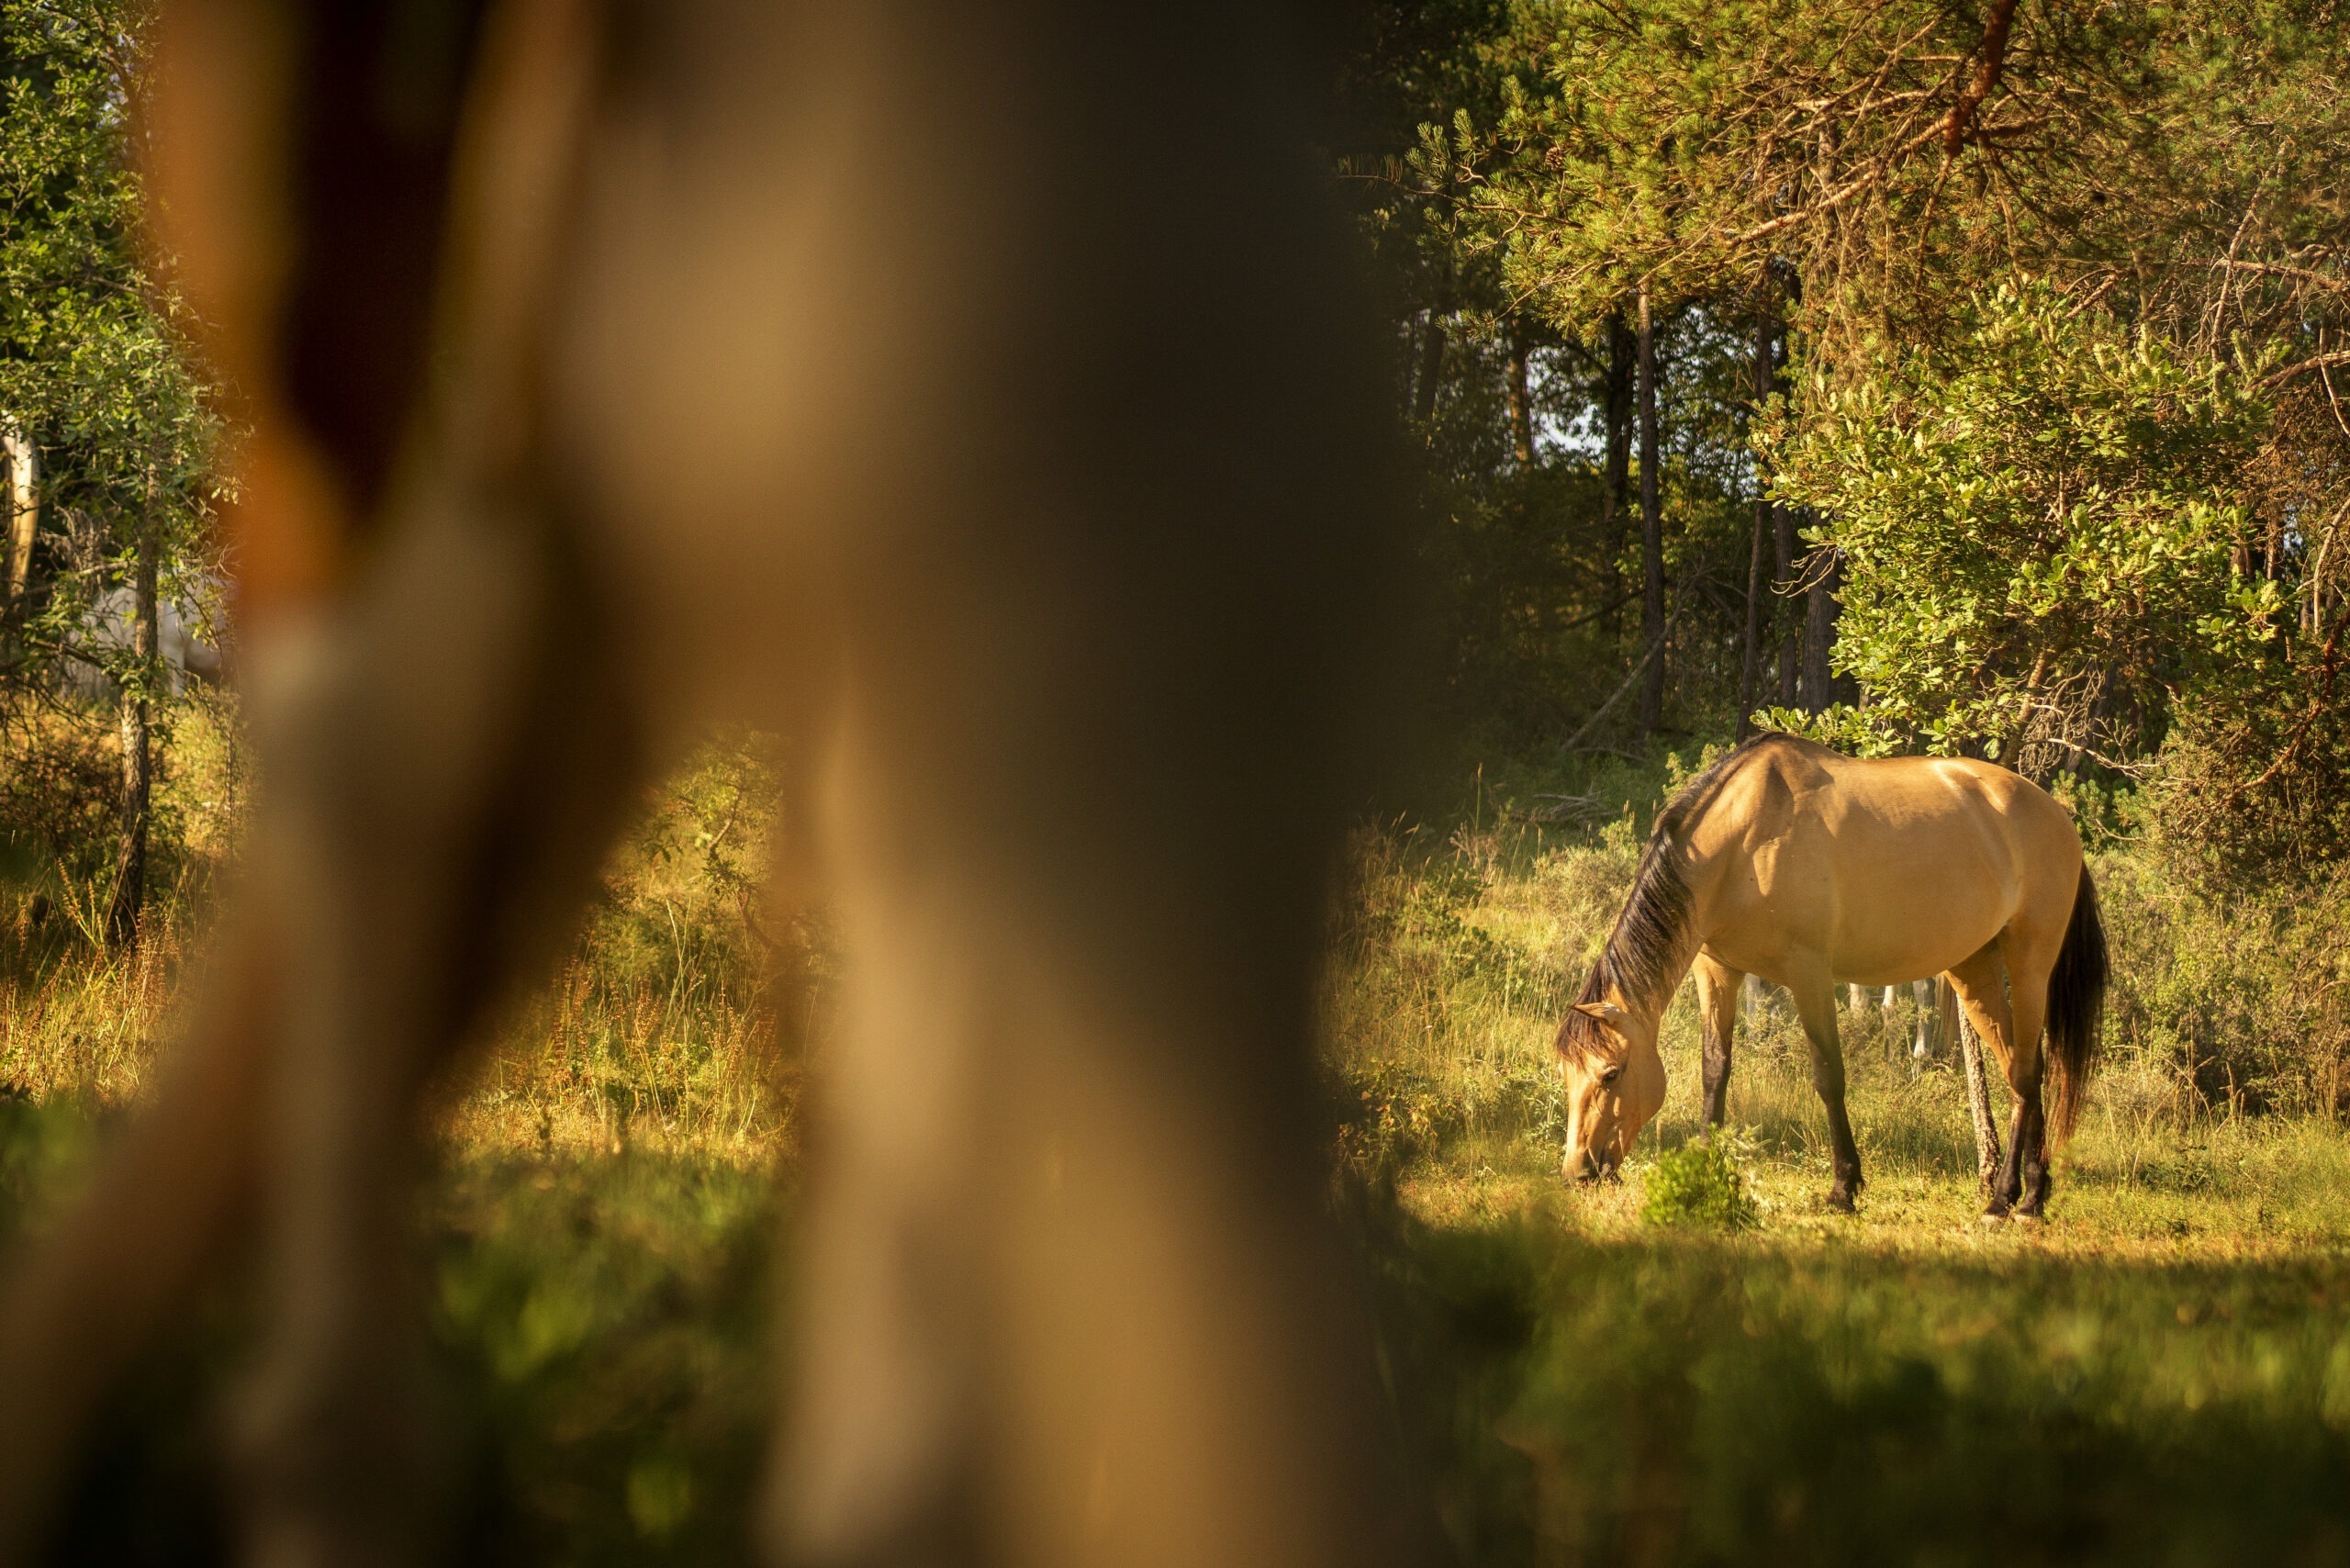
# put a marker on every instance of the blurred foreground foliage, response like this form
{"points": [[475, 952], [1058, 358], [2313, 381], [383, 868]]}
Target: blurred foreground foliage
{"points": [[601, 1324], [1688, 1401]]}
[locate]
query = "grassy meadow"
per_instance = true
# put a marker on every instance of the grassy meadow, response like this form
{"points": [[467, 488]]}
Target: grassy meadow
{"points": [[2159, 1373]]}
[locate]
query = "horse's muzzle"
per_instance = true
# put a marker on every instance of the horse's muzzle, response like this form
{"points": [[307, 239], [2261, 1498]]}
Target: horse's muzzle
{"points": [[1583, 1166]]}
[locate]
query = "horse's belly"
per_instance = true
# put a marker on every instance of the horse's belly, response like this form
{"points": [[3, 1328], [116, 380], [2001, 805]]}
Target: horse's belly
{"points": [[1917, 939]]}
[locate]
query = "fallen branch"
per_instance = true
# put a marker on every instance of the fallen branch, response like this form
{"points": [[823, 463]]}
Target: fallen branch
{"points": [[1655, 645]]}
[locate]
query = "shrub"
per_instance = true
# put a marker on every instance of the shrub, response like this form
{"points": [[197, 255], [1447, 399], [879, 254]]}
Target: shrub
{"points": [[1697, 1184]]}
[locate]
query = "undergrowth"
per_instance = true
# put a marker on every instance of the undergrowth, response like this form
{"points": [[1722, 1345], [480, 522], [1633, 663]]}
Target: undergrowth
{"points": [[1697, 1184]]}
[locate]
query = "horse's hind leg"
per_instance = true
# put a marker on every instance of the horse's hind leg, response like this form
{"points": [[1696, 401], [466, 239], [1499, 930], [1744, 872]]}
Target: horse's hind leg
{"points": [[2008, 1006], [2029, 958], [1816, 1002], [1718, 988]]}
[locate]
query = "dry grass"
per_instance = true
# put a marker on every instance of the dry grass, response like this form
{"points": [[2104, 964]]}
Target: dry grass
{"points": [[656, 1033]]}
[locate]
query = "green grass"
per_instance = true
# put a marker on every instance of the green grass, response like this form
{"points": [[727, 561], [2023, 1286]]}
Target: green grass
{"points": [[2158, 1373], [1696, 1401]]}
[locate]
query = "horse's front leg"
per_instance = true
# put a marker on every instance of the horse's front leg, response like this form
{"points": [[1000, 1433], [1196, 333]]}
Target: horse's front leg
{"points": [[1816, 1002], [1718, 988]]}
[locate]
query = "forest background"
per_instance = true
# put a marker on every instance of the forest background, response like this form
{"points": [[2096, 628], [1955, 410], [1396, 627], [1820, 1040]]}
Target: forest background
{"points": [[1962, 378]]}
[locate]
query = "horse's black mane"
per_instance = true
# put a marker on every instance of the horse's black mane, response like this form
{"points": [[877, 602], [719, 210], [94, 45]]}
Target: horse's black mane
{"points": [[1645, 950]]}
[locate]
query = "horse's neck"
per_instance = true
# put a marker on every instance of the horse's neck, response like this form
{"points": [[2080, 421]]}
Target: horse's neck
{"points": [[1650, 1010], [1697, 874]]}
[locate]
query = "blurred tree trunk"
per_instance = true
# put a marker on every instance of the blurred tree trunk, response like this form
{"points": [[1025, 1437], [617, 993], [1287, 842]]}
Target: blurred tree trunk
{"points": [[131, 860], [1521, 405], [1652, 535]]}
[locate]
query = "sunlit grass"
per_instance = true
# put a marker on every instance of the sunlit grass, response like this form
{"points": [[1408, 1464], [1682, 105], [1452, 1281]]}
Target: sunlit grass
{"points": [[2160, 1371]]}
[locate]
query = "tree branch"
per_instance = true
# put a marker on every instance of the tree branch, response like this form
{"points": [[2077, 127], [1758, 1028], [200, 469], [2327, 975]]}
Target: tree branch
{"points": [[1993, 54]]}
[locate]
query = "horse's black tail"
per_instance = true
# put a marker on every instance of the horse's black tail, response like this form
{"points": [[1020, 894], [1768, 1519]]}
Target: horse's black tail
{"points": [[2075, 1002]]}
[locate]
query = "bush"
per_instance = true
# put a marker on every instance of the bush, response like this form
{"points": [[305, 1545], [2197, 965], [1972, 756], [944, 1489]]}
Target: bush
{"points": [[1697, 1184], [2242, 999]]}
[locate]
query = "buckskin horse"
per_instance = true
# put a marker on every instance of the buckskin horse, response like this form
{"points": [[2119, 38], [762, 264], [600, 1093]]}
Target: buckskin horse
{"points": [[971, 393], [1788, 860]]}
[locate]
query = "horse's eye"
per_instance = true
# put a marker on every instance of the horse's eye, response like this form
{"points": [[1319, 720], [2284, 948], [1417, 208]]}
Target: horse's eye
{"points": [[1611, 1075]]}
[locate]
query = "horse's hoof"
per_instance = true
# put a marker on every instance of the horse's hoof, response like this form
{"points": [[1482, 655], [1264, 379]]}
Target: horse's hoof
{"points": [[1995, 1211], [2031, 1217], [1840, 1201]]}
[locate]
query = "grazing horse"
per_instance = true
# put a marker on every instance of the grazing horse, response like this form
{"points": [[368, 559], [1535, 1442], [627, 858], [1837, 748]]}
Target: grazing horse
{"points": [[1813, 870], [971, 393]]}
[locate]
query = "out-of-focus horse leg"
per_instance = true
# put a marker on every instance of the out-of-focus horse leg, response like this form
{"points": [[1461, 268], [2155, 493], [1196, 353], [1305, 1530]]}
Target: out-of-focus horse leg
{"points": [[220, 112], [447, 767], [444, 766], [132, 1250], [445, 778], [1095, 594], [1070, 1300], [1084, 597]]}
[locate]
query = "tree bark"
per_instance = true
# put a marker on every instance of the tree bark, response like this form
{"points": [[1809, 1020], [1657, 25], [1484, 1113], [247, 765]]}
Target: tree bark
{"points": [[23, 508], [1782, 536], [129, 904], [1990, 58], [1820, 605], [1651, 534], [1751, 675], [1432, 367], [1615, 494], [1521, 405]]}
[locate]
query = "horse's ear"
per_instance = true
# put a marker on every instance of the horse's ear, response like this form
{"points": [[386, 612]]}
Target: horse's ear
{"points": [[1606, 1012]]}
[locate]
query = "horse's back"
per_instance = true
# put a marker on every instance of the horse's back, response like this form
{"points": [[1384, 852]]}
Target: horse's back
{"points": [[1883, 870]]}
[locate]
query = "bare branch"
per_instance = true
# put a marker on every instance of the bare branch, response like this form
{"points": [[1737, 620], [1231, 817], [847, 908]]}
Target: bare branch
{"points": [[1994, 56], [2302, 367]]}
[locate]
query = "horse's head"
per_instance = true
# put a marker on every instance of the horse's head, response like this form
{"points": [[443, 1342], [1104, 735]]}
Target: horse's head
{"points": [[1615, 1082]]}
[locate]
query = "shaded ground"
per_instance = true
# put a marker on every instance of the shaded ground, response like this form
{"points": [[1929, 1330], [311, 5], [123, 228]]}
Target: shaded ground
{"points": [[2158, 1374], [2154, 1375], [602, 1330]]}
